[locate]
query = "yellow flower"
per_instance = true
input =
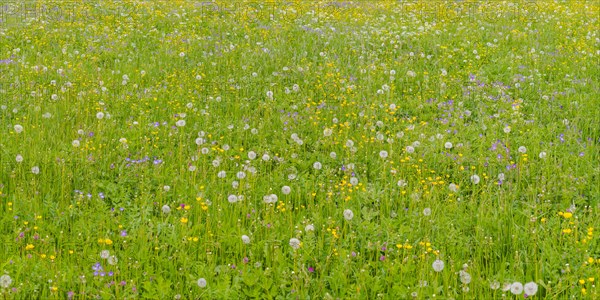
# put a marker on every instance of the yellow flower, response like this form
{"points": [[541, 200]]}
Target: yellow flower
{"points": [[108, 241], [184, 220], [567, 215], [581, 281], [29, 247]]}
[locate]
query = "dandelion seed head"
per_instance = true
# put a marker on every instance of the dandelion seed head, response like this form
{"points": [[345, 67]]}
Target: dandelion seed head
{"points": [[294, 243], [18, 128], [516, 288], [438, 265], [245, 239], [202, 283], [348, 214], [5, 281], [530, 288]]}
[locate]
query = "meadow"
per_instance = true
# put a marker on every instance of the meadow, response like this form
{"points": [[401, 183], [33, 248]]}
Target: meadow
{"points": [[299, 150]]}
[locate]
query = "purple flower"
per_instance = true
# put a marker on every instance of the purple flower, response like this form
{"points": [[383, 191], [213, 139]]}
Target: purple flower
{"points": [[382, 258], [97, 267], [123, 233], [311, 270]]}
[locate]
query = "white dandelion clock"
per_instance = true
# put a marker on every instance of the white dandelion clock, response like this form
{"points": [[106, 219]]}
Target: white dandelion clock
{"points": [[180, 123], [19, 158], [448, 145], [202, 283], [246, 239], [465, 277], [475, 179], [166, 209], [383, 154], [309, 227], [232, 198], [75, 143], [438, 265], [241, 175], [270, 94], [317, 165], [453, 187], [270, 199], [286, 190], [507, 129], [494, 285], [530, 288], [349, 143], [501, 176], [100, 115], [222, 174], [410, 149], [266, 157], [112, 260], [353, 181], [516, 288], [348, 214], [18, 128], [104, 254], [427, 212], [333, 155], [252, 155], [5, 281], [522, 149], [402, 183], [542, 155], [35, 170], [295, 243], [327, 132]]}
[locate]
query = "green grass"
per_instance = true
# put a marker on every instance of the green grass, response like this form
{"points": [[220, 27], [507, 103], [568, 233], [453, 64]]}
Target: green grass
{"points": [[487, 77]]}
